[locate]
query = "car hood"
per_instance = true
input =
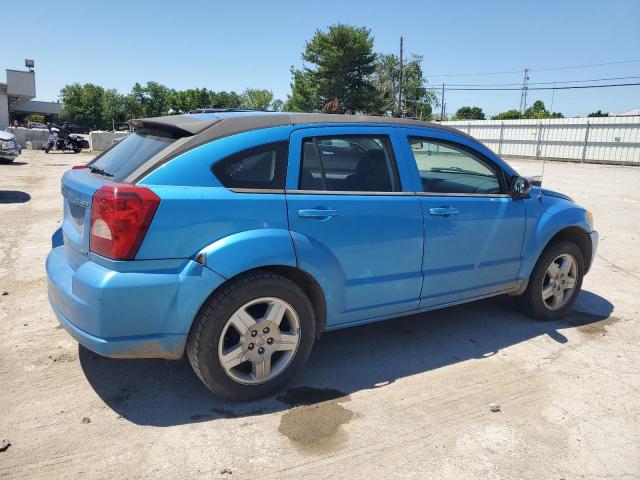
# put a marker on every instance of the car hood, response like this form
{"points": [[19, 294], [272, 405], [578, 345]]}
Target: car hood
{"points": [[552, 193], [7, 136]]}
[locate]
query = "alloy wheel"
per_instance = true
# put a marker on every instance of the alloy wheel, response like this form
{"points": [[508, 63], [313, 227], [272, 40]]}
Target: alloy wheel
{"points": [[259, 340], [559, 282]]}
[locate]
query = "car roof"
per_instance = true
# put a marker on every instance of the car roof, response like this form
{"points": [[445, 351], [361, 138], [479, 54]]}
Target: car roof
{"points": [[209, 126]]}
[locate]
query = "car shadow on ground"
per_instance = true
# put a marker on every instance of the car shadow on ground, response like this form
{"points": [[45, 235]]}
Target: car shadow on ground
{"points": [[14, 196], [12, 162], [164, 393]]}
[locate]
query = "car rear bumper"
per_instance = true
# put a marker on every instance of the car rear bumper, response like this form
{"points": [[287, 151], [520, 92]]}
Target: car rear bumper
{"points": [[150, 346], [145, 311]]}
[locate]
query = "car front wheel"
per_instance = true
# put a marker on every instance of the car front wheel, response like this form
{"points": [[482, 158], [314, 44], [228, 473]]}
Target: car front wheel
{"points": [[252, 336], [555, 281]]}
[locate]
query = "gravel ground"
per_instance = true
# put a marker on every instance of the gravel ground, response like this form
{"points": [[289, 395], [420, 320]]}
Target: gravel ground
{"points": [[407, 398]]}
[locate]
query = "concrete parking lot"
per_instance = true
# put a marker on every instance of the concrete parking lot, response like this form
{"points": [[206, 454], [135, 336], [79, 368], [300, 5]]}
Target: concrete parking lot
{"points": [[406, 398]]}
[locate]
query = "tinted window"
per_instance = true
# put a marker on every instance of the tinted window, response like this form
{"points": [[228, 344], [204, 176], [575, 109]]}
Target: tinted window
{"points": [[126, 156], [356, 163], [447, 169], [262, 167]]}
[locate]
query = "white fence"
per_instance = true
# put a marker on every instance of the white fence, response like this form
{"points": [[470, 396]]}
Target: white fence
{"points": [[612, 140]]}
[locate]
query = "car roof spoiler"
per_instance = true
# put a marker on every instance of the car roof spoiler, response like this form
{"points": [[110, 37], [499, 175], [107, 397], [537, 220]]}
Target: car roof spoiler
{"points": [[179, 125]]}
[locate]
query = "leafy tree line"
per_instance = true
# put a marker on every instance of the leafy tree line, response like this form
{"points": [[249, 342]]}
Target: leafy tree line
{"points": [[341, 74], [98, 107], [537, 110]]}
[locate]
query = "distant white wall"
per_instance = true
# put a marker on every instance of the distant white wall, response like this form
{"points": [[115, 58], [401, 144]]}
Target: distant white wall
{"points": [[614, 140]]}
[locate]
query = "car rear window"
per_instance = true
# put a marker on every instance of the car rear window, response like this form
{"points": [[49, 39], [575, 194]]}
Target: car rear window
{"points": [[126, 156]]}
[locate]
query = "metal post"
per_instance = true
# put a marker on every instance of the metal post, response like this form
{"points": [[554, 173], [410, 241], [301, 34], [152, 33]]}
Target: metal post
{"points": [[500, 141], [442, 104], [400, 80], [539, 140], [523, 95], [586, 141]]}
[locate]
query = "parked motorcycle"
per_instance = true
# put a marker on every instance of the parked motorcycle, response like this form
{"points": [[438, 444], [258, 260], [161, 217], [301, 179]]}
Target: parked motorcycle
{"points": [[60, 139]]}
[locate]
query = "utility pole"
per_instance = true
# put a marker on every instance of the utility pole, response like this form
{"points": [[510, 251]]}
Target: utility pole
{"points": [[400, 80], [442, 104], [523, 95]]}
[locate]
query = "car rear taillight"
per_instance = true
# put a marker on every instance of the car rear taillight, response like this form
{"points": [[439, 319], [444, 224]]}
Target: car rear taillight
{"points": [[120, 217], [79, 167]]}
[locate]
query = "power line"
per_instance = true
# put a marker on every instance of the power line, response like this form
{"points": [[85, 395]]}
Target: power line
{"points": [[539, 83], [546, 69], [547, 88], [585, 66]]}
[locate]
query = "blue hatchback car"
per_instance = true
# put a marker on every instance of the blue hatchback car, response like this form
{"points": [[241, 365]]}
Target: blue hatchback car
{"points": [[239, 237]]}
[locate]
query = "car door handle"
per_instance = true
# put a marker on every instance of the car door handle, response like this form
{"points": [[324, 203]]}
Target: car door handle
{"points": [[320, 213], [444, 211]]}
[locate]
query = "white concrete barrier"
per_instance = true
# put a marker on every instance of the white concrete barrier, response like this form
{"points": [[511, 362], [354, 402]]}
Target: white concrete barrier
{"points": [[37, 136], [99, 140]]}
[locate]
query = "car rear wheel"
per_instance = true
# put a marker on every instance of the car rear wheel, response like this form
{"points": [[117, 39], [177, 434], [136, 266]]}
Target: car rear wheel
{"points": [[252, 336], [555, 281]]}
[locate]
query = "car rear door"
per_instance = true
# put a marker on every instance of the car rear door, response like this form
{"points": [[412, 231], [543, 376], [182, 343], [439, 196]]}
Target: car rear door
{"points": [[474, 230], [355, 221]]}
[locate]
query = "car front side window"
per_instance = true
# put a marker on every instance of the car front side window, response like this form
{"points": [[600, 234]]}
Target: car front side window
{"points": [[449, 169]]}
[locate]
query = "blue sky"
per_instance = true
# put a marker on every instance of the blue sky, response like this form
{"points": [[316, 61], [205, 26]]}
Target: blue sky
{"points": [[239, 44]]}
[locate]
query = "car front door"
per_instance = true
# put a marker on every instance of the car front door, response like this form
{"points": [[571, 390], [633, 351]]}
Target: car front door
{"points": [[473, 228], [355, 221]]}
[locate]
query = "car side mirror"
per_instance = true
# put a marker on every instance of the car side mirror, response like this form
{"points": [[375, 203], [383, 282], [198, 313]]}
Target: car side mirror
{"points": [[520, 187]]}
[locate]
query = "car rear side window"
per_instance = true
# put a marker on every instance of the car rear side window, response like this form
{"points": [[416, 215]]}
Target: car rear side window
{"points": [[349, 163], [258, 168], [127, 156]]}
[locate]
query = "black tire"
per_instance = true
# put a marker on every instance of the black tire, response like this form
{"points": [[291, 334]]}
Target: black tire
{"points": [[77, 150], [532, 300], [202, 344]]}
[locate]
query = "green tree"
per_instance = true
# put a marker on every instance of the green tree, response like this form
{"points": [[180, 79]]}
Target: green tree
{"points": [[304, 94], [35, 117], [132, 107], [277, 105], [183, 101], [538, 110], [155, 99], [339, 78], [224, 99], [256, 99], [508, 115], [469, 113], [82, 104], [113, 108], [599, 113], [417, 99]]}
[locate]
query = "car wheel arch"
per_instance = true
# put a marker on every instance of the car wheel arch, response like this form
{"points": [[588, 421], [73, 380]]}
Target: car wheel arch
{"points": [[303, 279], [574, 234]]}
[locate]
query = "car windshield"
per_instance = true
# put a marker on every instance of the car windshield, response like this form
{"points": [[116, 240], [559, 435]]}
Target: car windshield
{"points": [[126, 156]]}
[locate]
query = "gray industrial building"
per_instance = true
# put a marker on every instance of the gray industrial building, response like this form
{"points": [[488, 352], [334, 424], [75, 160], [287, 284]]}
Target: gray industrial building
{"points": [[16, 99]]}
